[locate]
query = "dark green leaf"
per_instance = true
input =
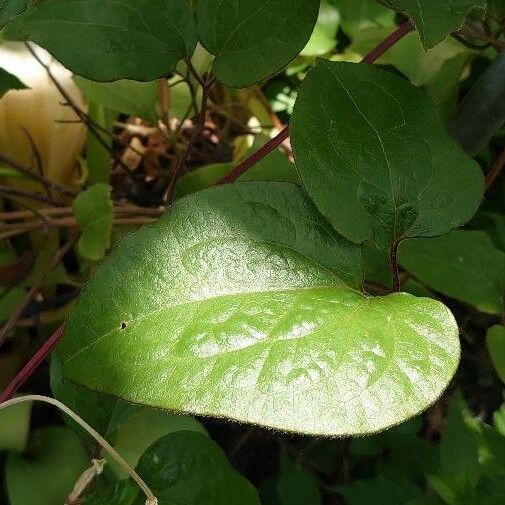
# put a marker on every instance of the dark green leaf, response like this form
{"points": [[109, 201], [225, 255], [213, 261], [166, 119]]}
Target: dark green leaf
{"points": [[382, 168], [108, 40], [94, 212], [495, 339], [436, 19], [141, 429], [189, 468], [464, 265], [8, 82], [253, 39], [49, 471], [9, 9], [129, 97], [212, 298]]}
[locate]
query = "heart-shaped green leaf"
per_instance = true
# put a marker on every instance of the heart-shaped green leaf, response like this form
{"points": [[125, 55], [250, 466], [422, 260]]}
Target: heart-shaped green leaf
{"points": [[233, 305], [9, 9], [495, 340], [382, 168], [108, 40], [253, 39], [435, 19]]}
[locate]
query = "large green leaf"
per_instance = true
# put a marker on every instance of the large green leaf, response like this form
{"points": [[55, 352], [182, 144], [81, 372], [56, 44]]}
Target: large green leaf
{"points": [[108, 40], [253, 39], [189, 468], [464, 265], [382, 168], [48, 472], [232, 305], [435, 19]]}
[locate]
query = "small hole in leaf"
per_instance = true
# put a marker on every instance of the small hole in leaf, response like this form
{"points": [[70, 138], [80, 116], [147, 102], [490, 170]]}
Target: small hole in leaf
{"points": [[123, 325]]}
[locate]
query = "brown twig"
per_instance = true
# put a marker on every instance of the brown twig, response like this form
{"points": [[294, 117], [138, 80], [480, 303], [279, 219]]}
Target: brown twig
{"points": [[18, 312], [8, 192], [263, 151], [495, 170], [35, 176], [169, 192], [395, 269], [79, 113]]}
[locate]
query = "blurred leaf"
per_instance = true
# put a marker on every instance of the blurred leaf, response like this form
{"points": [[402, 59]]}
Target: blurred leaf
{"points": [[365, 179], [94, 212], [459, 453], [9, 81], [15, 427], [499, 420], [242, 35], [379, 490], [357, 15], [295, 485], [98, 159], [141, 429], [323, 39], [124, 96], [110, 491], [144, 39], [48, 471], [435, 19], [463, 265], [189, 468], [495, 339]]}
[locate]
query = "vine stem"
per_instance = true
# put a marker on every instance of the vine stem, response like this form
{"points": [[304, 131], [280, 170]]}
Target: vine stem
{"points": [[395, 270], [276, 141], [36, 360], [495, 170], [151, 499]]}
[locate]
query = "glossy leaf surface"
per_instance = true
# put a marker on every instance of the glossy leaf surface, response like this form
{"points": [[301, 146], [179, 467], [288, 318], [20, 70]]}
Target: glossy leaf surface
{"points": [[189, 468], [435, 19], [382, 168], [243, 314], [253, 39], [108, 40], [9, 9], [464, 265]]}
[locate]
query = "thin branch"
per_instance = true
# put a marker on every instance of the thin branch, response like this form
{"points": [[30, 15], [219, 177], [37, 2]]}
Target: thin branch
{"points": [[388, 42], [35, 361], [18, 312], [169, 192], [271, 145], [495, 170], [80, 113], [36, 177], [395, 269], [8, 192]]}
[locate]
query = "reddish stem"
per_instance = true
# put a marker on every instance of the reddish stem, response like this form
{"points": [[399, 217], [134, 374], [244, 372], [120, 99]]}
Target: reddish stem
{"points": [[495, 170], [263, 151], [37, 359], [272, 144], [388, 42]]}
